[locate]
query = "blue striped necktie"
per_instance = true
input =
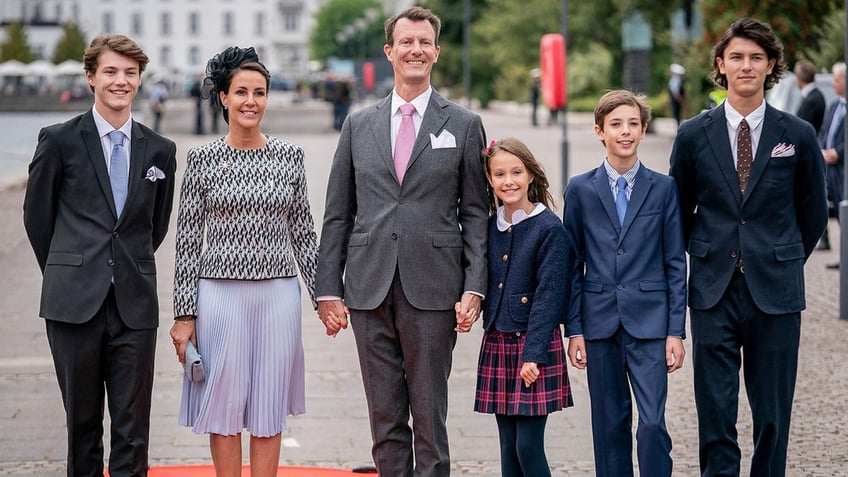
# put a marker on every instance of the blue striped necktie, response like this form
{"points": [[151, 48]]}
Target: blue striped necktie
{"points": [[118, 175]]}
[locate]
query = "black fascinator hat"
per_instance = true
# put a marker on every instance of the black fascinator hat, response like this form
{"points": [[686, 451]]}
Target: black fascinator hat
{"points": [[220, 69]]}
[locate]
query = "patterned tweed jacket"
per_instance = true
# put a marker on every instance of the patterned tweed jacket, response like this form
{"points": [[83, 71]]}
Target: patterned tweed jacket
{"points": [[243, 215]]}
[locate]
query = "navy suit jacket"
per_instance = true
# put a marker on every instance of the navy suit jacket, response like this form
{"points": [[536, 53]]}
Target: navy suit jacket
{"points": [[775, 226], [834, 172], [631, 275]]}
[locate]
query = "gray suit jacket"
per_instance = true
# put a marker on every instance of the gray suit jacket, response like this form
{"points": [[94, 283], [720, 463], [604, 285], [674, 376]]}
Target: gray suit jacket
{"points": [[431, 229]]}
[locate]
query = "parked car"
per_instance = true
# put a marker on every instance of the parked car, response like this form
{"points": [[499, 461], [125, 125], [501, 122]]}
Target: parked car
{"points": [[786, 96]]}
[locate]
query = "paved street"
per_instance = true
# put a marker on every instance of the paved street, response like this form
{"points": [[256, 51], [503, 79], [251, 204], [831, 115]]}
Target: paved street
{"points": [[334, 431]]}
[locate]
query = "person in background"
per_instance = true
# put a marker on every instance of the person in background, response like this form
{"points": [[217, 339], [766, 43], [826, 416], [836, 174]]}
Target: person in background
{"points": [[522, 374], [832, 142], [535, 94], [98, 202], [753, 205], [812, 110], [406, 199], [244, 230], [195, 93], [628, 304], [677, 91], [157, 97]]}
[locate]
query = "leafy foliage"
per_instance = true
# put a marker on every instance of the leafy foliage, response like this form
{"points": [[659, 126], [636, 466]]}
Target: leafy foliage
{"points": [[16, 46], [333, 17], [71, 45]]}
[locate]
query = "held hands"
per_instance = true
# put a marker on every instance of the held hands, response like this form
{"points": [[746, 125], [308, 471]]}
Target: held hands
{"points": [[467, 312], [674, 354], [334, 314], [529, 373], [181, 332], [577, 352]]}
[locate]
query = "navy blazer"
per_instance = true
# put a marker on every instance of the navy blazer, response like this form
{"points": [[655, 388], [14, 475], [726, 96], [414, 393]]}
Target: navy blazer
{"points": [[631, 275], [775, 226], [528, 281]]}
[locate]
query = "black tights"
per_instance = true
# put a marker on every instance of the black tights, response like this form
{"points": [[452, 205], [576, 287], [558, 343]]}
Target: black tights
{"points": [[523, 446]]}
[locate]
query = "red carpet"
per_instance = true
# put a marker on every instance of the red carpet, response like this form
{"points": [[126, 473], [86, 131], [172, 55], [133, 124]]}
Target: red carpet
{"points": [[209, 471]]}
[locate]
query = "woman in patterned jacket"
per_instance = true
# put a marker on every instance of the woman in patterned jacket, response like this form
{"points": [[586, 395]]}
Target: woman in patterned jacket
{"points": [[243, 232]]}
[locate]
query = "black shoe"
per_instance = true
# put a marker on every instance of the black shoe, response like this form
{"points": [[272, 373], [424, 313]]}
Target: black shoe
{"points": [[833, 266]]}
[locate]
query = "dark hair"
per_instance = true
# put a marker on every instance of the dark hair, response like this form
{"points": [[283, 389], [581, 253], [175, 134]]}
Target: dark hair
{"points": [[537, 191], [120, 44], [761, 34], [415, 14], [221, 68], [621, 97], [805, 70]]}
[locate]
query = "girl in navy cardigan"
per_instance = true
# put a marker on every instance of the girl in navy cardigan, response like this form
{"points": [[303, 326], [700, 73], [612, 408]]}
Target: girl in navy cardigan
{"points": [[522, 375]]}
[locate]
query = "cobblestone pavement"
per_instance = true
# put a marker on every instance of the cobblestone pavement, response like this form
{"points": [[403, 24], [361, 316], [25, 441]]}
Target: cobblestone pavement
{"points": [[334, 431]]}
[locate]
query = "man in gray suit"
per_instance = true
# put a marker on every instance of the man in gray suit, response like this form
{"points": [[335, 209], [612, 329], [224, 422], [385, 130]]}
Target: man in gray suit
{"points": [[403, 248]]}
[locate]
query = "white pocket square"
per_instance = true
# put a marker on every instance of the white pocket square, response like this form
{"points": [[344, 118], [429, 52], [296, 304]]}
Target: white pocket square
{"points": [[783, 150], [154, 174], [443, 140]]}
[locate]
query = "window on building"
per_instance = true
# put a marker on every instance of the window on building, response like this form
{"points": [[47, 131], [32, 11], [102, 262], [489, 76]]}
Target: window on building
{"points": [[229, 27], [194, 56], [136, 24], [290, 23], [194, 23], [165, 55], [165, 21], [108, 22], [260, 23]]}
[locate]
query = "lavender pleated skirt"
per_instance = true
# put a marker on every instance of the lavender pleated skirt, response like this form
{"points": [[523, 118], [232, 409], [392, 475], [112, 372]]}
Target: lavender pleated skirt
{"points": [[249, 335]]}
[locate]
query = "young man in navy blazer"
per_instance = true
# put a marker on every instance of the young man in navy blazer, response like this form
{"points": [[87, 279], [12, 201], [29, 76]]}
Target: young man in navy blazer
{"points": [[752, 195], [628, 308], [98, 200]]}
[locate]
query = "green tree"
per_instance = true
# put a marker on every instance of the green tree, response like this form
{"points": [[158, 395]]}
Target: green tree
{"points": [[331, 21], [16, 46], [832, 46], [794, 21], [71, 45]]}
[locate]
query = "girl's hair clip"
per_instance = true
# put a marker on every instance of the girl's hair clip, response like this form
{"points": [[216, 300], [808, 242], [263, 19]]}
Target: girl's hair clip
{"points": [[489, 149]]}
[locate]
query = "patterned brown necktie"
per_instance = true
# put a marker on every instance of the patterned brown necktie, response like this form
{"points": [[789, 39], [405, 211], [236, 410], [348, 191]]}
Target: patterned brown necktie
{"points": [[744, 154]]}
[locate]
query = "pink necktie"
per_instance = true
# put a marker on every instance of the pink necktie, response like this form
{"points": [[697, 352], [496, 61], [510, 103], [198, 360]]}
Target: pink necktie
{"points": [[405, 140]]}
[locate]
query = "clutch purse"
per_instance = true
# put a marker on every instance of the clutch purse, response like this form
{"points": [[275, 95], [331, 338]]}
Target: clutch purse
{"points": [[193, 364]]}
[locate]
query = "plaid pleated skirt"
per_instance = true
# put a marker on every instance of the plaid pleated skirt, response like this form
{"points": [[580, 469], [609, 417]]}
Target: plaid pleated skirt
{"points": [[500, 389]]}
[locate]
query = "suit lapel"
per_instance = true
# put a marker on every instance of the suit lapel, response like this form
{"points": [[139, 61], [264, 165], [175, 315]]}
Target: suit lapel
{"points": [[772, 132], [602, 188], [380, 123], [91, 138], [716, 131], [137, 162], [644, 182], [433, 121]]}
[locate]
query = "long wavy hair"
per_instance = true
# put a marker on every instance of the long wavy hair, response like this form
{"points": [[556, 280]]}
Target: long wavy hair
{"points": [[537, 191]]}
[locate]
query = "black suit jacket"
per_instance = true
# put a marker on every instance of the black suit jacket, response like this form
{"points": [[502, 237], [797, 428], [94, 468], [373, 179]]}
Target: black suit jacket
{"points": [[775, 226], [80, 245], [812, 108]]}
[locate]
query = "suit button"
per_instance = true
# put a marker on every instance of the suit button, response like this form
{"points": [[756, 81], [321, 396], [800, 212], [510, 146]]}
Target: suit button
{"points": [[742, 221], [621, 252], [500, 285], [733, 254], [505, 257], [110, 262], [524, 300], [509, 230], [115, 235], [394, 236], [620, 286]]}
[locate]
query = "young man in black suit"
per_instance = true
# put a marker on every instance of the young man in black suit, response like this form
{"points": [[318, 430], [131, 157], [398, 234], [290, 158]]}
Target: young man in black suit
{"points": [[752, 198], [97, 205]]}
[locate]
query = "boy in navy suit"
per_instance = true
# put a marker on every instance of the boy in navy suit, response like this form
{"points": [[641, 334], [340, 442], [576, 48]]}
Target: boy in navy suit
{"points": [[628, 307]]}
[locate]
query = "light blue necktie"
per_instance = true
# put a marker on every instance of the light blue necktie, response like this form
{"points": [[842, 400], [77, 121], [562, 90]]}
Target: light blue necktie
{"points": [[118, 170], [621, 199]]}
